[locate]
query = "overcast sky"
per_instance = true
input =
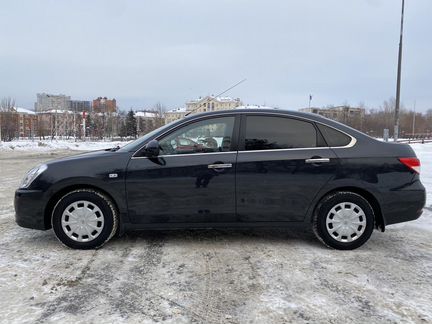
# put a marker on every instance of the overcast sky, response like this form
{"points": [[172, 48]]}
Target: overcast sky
{"points": [[143, 52]]}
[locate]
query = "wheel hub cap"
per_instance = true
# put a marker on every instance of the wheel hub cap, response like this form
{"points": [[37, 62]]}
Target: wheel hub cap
{"points": [[346, 222], [82, 221]]}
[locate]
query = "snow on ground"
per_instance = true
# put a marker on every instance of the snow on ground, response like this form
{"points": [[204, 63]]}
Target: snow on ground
{"points": [[53, 145], [212, 276], [424, 153]]}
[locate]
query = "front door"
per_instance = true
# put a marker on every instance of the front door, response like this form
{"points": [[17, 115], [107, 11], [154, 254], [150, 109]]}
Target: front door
{"points": [[193, 178], [282, 164]]}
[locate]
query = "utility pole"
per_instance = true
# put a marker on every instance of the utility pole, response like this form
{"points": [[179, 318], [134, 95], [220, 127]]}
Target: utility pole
{"points": [[396, 126], [84, 125], [413, 124], [56, 125], [74, 123], [310, 99]]}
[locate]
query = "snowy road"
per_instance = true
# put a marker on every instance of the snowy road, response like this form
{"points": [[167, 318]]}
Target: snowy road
{"points": [[220, 276]]}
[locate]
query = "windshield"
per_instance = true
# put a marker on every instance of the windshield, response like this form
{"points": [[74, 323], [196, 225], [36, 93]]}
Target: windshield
{"points": [[136, 144]]}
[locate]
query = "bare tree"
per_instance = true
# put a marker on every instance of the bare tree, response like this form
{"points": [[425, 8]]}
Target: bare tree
{"points": [[8, 119], [160, 111]]}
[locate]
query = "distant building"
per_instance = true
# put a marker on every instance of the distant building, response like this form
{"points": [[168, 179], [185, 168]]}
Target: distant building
{"points": [[57, 123], [27, 122], [211, 103], [47, 101], [208, 103], [104, 105], [174, 114], [348, 115], [18, 122], [79, 105]]}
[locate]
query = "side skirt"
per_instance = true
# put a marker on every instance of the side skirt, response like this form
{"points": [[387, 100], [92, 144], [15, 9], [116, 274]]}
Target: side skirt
{"points": [[176, 226]]}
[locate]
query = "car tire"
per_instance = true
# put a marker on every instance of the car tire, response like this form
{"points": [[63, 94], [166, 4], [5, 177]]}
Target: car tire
{"points": [[343, 220], [84, 219]]}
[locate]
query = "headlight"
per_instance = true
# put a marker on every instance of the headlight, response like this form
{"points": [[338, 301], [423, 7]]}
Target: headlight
{"points": [[32, 175]]}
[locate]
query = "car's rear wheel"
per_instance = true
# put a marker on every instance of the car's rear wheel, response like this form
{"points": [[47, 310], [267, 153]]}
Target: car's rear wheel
{"points": [[84, 219], [343, 220]]}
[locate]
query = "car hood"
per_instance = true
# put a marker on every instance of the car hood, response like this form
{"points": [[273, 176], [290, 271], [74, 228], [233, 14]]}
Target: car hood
{"points": [[84, 156]]}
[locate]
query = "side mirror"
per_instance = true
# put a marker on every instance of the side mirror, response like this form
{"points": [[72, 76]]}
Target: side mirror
{"points": [[151, 149]]}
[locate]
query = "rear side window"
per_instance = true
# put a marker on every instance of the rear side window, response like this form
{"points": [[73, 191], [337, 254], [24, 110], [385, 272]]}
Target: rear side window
{"points": [[333, 137], [269, 133]]}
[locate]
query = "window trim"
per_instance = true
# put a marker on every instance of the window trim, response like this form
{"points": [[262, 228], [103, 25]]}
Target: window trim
{"points": [[239, 126], [350, 144], [234, 140], [241, 139]]}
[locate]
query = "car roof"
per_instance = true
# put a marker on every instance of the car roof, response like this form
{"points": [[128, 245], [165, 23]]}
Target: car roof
{"points": [[292, 113], [263, 111]]}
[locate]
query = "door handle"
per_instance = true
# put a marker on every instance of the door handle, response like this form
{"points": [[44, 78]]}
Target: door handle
{"points": [[317, 160], [220, 166]]}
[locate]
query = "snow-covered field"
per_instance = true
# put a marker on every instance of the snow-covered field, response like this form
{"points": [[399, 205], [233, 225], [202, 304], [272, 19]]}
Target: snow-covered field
{"points": [[53, 145], [218, 276]]}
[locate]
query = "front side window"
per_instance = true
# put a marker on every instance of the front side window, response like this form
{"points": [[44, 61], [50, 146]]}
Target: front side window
{"points": [[206, 136], [269, 133]]}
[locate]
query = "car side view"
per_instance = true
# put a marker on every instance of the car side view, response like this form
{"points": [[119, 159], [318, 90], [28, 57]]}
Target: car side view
{"points": [[236, 168]]}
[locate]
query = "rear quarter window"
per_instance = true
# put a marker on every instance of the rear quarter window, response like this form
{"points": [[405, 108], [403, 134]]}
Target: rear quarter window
{"points": [[334, 137]]}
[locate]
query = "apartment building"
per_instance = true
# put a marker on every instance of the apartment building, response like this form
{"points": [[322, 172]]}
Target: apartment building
{"points": [[45, 102], [211, 103], [104, 105]]}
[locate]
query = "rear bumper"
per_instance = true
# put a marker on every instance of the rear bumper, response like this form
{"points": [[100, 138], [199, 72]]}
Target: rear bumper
{"points": [[29, 209], [403, 205]]}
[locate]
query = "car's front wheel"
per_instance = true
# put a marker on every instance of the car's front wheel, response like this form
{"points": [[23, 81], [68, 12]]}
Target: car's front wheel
{"points": [[84, 219], [343, 220]]}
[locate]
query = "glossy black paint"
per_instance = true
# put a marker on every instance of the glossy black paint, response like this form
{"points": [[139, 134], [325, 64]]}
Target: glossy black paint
{"points": [[181, 189], [279, 185], [266, 188]]}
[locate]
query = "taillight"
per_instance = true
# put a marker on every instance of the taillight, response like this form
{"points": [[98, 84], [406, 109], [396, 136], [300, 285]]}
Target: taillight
{"points": [[412, 163]]}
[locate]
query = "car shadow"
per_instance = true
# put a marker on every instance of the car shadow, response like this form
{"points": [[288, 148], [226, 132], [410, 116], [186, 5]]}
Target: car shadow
{"points": [[296, 235], [226, 236]]}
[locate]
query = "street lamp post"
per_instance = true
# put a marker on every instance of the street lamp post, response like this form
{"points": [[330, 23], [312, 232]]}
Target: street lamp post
{"points": [[413, 123], [396, 126]]}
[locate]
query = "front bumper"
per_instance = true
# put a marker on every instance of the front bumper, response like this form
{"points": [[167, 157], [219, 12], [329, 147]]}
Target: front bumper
{"points": [[29, 209]]}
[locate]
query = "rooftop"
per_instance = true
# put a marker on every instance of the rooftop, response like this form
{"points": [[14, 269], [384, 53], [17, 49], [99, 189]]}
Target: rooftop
{"points": [[255, 107], [147, 114], [220, 99], [176, 110], [24, 111]]}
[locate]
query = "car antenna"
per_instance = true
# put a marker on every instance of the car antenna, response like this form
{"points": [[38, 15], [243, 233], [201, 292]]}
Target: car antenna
{"points": [[233, 86]]}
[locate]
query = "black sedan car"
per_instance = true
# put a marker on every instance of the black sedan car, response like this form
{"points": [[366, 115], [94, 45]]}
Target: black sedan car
{"points": [[237, 168]]}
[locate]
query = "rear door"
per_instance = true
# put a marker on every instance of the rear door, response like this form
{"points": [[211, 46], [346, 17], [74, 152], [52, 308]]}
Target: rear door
{"points": [[282, 164]]}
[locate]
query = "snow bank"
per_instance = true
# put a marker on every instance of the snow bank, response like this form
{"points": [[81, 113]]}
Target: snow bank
{"points": [[48, 145]]}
